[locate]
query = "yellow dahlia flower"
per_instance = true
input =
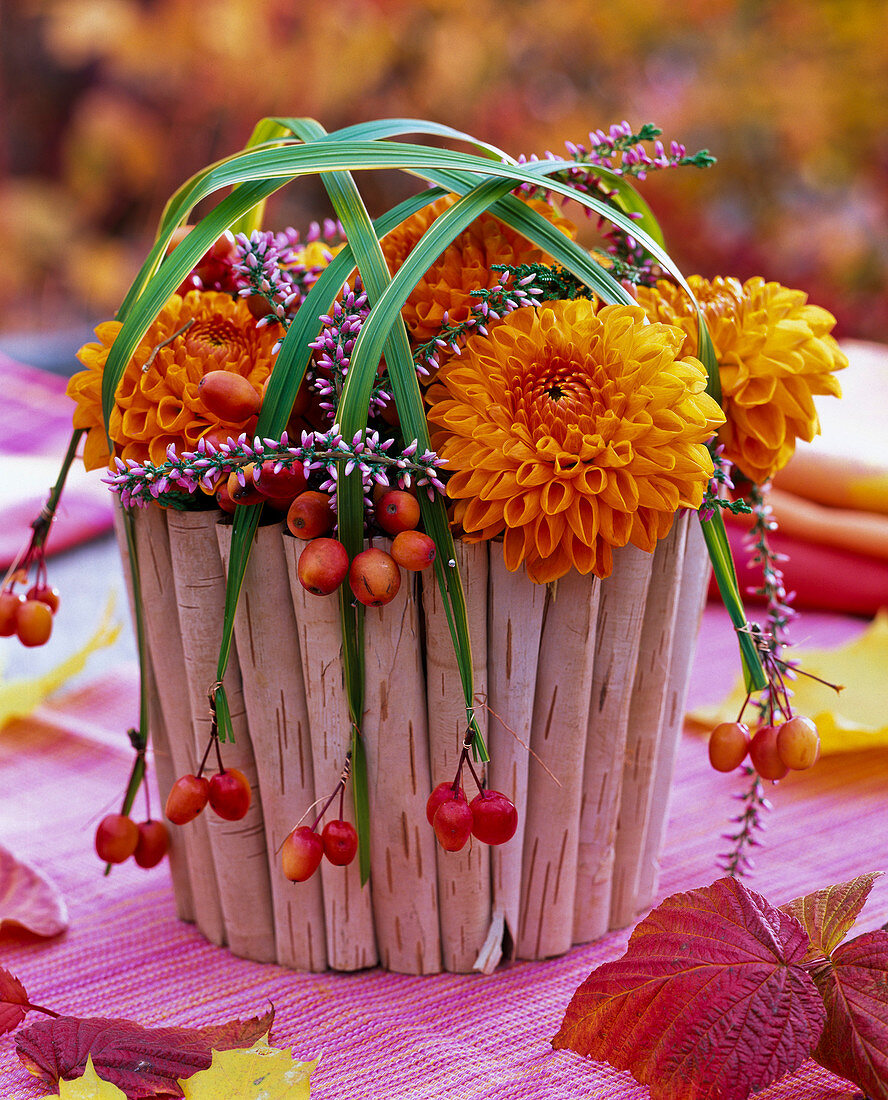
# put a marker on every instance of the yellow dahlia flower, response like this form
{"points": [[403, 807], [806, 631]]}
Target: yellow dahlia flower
{"points": [[774, 352], [157, 402], [463, 267], [571, 431]]}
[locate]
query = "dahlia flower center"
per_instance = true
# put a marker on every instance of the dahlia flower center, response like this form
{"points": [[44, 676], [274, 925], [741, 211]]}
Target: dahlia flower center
{"points": [[216, 332], [559, 394]]}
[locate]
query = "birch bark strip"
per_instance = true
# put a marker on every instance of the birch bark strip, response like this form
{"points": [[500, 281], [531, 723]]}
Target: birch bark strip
{"points": [[692, 598], [268, 654], [164, 769], [620, 618], [238, 846], [514, 629], [558, 743], [164, 637], [463, 877], [402, 846], [348, 914], [645, 721]]}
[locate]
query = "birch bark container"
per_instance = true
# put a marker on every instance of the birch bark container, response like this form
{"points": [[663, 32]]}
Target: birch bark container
{"points": [[580, 687]]}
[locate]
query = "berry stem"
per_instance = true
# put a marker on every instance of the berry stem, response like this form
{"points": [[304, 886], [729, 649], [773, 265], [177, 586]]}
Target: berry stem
{"points": [[339, 789], [39, 1008]]}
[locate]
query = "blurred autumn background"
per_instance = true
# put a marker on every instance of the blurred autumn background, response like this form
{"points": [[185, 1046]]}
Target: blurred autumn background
{"points": [[110, 104]]}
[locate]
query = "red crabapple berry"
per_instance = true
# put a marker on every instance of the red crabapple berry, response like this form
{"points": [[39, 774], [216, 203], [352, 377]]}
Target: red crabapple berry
{"points": [[152, 845], [301, 854], [728, 746], [494, 817], [187, 797], [310, 515], [397, 511], [10, 602], [763, 754], [116, 838], [444, 792], [45, 594], [374, 577], [230, 794], [452, 824], [323, 566], [413, 550], [340, 842], [798, 743]]}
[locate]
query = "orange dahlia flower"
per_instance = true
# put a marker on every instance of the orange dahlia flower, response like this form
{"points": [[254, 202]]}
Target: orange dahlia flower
{"points": [[463, 267], [157, 402], [571, 431], [774, 352]]}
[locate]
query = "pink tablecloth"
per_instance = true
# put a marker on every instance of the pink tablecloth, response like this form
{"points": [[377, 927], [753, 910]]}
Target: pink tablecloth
{"points": [[383, 1035], [36, 431]]}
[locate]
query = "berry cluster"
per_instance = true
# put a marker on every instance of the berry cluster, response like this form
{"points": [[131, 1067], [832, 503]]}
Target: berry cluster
{"points": [[374, 575], [490, 817], [28, 615], [774, 750], [118, 837], [227, 792], [304, 847]]}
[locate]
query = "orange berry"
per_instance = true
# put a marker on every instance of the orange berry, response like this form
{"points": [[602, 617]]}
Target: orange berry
{"points": [[798, 743], [228, 397], [310, 515], [763, 754], [116, 838], [10, 602], [728, 746], [33, 622], [374, 577], [413, 550]]}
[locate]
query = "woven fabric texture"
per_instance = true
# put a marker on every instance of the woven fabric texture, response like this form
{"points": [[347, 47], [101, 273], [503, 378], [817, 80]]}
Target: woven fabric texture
{"points": [[384, 1035]]}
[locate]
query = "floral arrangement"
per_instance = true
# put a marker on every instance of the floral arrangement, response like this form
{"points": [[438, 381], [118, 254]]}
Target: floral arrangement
{"points": [[460, 368]]}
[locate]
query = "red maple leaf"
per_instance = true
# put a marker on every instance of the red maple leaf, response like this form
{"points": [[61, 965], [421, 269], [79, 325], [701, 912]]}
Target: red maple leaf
{"points": [[14, 1002], [710, 999], [144, 1062], [854, 987]]}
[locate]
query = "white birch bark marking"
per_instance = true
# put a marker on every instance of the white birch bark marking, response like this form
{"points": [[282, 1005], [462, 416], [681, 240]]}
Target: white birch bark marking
{"points": [[348, 915], [268, 654], [620, 617], [645, 721], [238, 846]]}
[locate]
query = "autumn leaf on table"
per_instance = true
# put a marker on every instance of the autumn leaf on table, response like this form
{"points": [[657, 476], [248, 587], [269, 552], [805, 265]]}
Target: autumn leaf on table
{"points": [[259, 1073], [29, 899], [88, 1087], [710, 999], [827, 915], [854, 986], [14, 1003], [146, 1063]]}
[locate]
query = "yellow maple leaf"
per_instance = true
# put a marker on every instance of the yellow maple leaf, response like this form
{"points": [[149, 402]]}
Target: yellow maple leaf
{"points": [[260, 1072], [19, 697], [88, 1087], [852, 721]]}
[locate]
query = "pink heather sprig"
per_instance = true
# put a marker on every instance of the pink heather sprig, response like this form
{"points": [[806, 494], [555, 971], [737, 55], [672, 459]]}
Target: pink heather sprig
{"points": [[268, 264], [512, 291], [771, 640], [333, 349], [624, 152], [138, 484]]}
